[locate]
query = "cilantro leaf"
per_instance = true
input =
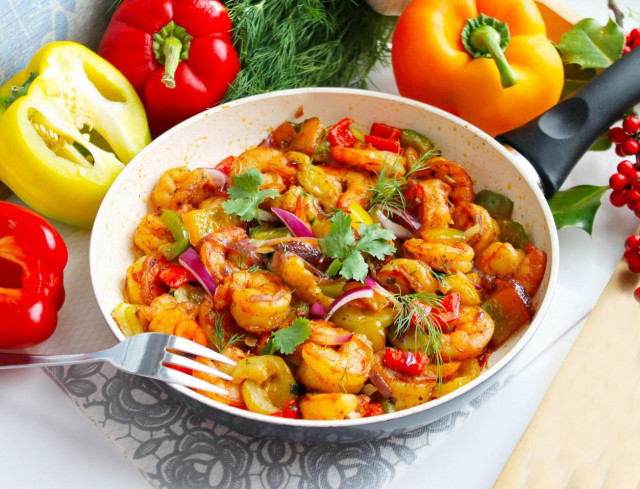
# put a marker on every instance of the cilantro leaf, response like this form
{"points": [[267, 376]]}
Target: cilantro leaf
{"points": [[245, 195], [341, 244], [592, 45], [286, 340]]}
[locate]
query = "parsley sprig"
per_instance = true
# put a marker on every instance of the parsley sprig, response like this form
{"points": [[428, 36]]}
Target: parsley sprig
{"points": [[341, 244], [286, 340], [245, 195]]}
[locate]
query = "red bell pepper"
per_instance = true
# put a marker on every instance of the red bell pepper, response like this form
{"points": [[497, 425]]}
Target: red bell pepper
{"points": [[442, 315], [341, 135], [177, 54], [32, 260], [406, 362], [175, 276], [383, 144], [384, 131]]}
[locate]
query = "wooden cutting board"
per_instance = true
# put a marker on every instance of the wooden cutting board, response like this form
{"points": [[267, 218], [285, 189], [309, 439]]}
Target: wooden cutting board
{"points": [[586, 432]]}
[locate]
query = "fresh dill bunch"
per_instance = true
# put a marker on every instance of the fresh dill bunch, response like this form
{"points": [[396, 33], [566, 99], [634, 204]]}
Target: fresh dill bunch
{"points": [[304, 43]]}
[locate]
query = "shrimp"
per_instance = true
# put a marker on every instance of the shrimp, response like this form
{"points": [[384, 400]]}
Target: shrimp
{"points": [[408, 391], [181, 189], [142, 284], [219, 256], [275, 167], [405, 276], [478, 224], [175, 321], [333, 406], [295, 274], [317, 182], [258, 301], [434, 211], [210, 319], [449, 257], [168, 301], [371, 160], [325, 369], [357, 186], [302, 205], [151, 234], [531, 270], [452, 174], [471, 332], [233, 397], [500, 259]]}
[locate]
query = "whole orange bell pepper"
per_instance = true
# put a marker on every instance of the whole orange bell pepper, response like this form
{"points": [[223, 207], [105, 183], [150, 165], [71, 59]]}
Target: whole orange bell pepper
{"points": [[488, 61]]}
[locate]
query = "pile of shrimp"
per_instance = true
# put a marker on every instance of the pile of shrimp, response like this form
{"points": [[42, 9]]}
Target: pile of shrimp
{"points": [[456, 250]]}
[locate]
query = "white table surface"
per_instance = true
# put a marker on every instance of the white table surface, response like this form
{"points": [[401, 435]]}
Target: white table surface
{"points": [[47, 442]]}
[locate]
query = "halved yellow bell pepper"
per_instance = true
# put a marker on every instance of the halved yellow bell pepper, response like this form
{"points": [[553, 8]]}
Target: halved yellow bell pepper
{"points": [[69, 122]]}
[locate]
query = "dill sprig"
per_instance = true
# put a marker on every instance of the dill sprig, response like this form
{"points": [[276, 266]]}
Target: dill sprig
{"points": [[305, 43], [218, 336]]}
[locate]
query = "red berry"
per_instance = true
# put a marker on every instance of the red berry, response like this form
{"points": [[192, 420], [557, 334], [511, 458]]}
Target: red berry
{"points": [[633, 196], [633, 35], [631, 124], [635, 43], [633, 262], [632, 242], [626, 168], [619, 151], [617, 181], [630, 146], [636, 294], [617, 135], [627, 254], [618, 198], [626, 50]]}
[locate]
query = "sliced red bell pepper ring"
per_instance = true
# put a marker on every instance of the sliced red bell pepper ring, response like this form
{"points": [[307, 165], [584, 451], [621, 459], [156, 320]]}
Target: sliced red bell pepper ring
{"points": [[32, 261]]}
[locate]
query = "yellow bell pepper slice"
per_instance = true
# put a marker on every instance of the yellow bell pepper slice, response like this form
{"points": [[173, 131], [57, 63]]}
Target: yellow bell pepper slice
{"points": [[359, 216], [69, 122]]}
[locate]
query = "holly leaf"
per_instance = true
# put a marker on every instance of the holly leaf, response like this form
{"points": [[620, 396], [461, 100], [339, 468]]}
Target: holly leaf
{"points": [[603, 143], [577, 206], [591, 45], [245, 195], [575, 77], [287, 339]]}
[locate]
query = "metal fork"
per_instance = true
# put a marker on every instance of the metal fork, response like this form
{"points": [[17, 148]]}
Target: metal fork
{"points": [[145, 354]]}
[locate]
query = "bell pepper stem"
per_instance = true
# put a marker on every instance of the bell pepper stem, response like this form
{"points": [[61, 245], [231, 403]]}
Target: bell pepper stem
{"points": [[172, 48], [487, 39]]}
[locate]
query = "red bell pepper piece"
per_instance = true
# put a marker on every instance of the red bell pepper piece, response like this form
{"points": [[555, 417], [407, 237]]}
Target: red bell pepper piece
{"points": [[341, 135], [373, 409], [177, 54], [406, 362], [383, 144], [383, 131], [290, 410], [175, 276], [32, 261], [442, 315]]}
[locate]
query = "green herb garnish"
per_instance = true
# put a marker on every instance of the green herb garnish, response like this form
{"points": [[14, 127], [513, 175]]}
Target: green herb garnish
{"points": [[245, 195], [286, 340], [341, 244], [218, 336]]}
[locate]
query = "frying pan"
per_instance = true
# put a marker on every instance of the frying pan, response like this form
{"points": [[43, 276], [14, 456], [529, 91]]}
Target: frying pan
{"points": [[552, 144]]}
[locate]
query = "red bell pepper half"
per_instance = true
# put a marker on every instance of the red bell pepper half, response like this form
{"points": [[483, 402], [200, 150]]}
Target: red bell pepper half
{"points": [[32, 261], [177, 54]]}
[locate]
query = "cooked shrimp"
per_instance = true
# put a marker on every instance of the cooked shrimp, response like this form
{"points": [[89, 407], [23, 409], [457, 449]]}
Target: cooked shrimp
{"points": [[317, 182], [142, 284], [530, 272], [500, 259], [175, 321], [181, 189], [371, 160], [275, 167], [434, 212], [333, 406], [219, 255], [357, 185], [258, 301], [151, 234], [407, 390], [295, 274], [209, 318], [452, 174], [168, 301], [234, 391], [298, 202], [477, 222], [471, 332], [325, 369], [405, 276], [449, 257]]}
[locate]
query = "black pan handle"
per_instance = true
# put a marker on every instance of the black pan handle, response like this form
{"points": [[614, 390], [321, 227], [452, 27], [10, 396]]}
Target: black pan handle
{"points": [[555, 141]]}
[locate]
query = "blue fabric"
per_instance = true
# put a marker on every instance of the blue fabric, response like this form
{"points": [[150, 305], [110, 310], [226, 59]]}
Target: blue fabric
{"points": [[26, 25]]}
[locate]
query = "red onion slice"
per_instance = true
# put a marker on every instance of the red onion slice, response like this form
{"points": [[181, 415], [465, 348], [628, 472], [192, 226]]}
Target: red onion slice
{"points": [[294, 223], [377, 287], [365, 292], [405, 216], [399, 231], [330, 339], [218, 177], [381, 385], [317, 310], [266, 216], [475, 285], [191, 261]]}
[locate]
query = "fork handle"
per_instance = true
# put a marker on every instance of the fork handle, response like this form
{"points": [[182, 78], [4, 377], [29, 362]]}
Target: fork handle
{"points": [[17, 360]]}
